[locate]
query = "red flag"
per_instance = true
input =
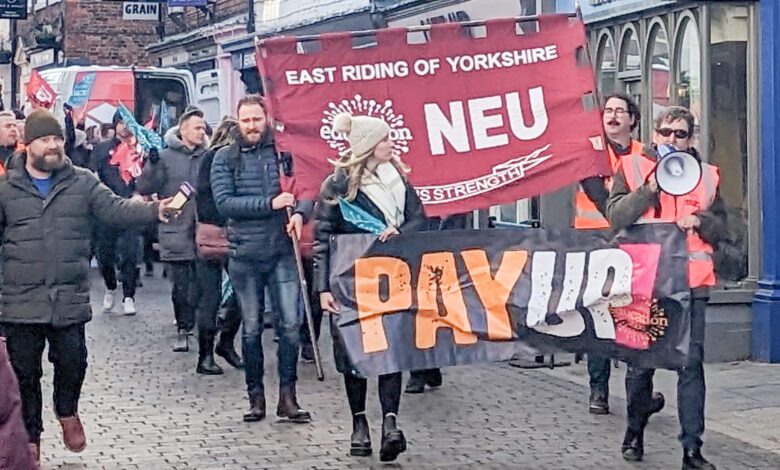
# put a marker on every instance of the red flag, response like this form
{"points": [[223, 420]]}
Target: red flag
{"points": [[129, 161], [39, 92]]}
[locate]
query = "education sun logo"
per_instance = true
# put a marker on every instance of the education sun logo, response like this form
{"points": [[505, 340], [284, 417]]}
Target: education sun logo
{"points": [[361, 106]]}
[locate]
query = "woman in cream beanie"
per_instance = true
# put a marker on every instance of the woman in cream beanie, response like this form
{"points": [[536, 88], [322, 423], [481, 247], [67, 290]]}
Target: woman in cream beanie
{"points": [[370, 177]]}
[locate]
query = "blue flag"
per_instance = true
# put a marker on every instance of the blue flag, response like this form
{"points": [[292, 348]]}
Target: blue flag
{"points": [[360, 218], [147, 138]]}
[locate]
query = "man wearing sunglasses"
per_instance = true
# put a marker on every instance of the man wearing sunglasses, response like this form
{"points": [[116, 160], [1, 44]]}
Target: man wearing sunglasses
{"points": [[620, 117], [636, 199]]}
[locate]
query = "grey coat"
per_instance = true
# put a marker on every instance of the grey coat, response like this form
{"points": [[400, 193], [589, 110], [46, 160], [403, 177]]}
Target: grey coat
{"points": [[177, 164], [45, 241]]}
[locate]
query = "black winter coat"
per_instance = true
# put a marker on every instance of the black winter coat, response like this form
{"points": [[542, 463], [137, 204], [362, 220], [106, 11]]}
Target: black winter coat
{"points": [[109, 174], [245, 179], [207, 208], [46, 242], [329, 221]]}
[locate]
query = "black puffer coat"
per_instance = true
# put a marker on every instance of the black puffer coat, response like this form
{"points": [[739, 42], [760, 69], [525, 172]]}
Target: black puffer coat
{"points": [[46, 242], [245, 179]]}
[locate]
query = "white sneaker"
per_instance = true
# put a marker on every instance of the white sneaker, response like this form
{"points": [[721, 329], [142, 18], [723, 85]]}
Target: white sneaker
{"points": [[129, 306], [108, 300]]}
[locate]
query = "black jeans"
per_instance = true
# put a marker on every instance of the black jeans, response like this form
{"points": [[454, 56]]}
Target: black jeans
{"points": [[118, 248], [316, 309], [185, 292], [68, 354], [389, 392], [691, 389], [599, 372], [209, 275]]}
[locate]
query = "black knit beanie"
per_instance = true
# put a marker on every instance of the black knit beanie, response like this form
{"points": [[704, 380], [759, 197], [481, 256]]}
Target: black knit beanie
{"points": [[41, 123]]}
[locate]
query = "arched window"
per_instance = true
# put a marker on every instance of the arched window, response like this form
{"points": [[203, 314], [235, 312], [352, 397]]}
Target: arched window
{"points": [[630, 59], [688, 69], [606, 67], [660, 69]]}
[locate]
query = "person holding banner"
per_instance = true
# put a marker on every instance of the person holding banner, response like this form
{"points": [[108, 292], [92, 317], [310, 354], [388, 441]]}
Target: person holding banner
{"points": [[369, 180], [245, 181], [636, 198], [620, 117]]}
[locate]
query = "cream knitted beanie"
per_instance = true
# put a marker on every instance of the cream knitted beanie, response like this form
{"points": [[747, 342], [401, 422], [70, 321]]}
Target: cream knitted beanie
{"points": [[363, 132]]}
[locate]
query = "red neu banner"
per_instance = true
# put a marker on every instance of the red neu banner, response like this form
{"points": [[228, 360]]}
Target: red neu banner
{"points": [[481, 121]]}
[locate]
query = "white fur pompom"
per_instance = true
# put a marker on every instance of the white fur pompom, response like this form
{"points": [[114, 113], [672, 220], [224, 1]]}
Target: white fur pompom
{"points": [[342, 123]]}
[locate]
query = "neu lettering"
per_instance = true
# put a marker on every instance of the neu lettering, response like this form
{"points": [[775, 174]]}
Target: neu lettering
{"points": [[608, 283], [452, 126]]}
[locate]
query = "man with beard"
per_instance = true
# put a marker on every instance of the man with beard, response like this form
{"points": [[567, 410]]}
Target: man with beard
{"points": [[117, 164], [163, 175], [47, 207], [9, 136], [620, 118], [246, 183]]}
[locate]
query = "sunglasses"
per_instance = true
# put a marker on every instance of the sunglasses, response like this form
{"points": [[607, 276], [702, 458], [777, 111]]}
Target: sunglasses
{"points": [[679, 133]]}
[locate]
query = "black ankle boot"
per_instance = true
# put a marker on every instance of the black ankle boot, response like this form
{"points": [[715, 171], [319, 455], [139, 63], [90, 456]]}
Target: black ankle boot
{"points": [[693, 460], [633, 447], [416, 383], [393, 440], [360, 442], [256, 408], [206, 364], [227, 351]]}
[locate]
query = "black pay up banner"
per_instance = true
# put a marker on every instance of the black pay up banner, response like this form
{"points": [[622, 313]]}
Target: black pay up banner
{"points": [[435, 299]]}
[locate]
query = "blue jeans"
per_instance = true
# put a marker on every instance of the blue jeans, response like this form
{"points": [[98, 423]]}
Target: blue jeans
{"points": [[249, 282]]}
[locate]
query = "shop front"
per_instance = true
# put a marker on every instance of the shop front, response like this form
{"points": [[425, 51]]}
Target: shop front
{"points": [[702, 55]]}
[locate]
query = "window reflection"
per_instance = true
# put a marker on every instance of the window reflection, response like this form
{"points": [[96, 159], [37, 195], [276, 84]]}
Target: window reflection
{"points": [[659, 76], [606, 66], [689, 71]]}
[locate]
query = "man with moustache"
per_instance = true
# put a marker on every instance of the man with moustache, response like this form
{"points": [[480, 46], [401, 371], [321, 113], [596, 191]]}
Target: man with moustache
{"points": [[247, 190], [620, 117], [9, 136], [47, 207]]}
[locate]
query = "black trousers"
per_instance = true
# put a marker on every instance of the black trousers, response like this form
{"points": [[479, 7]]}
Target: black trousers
{"points": [[316, 309], [599, 372], [185, 292], [691, 389], [118, 248], [209, 277], [68, 354], [389, 392]]}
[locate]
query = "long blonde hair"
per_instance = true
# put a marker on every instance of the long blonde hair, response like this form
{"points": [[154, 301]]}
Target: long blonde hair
{"points": [[355, 168]]}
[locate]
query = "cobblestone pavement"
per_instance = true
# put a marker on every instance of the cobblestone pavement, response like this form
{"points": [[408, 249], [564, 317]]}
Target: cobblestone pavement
{"points": [[144, 407]]}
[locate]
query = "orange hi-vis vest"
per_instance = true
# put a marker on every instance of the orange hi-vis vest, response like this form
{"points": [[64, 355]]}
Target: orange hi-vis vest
{"points": [[586, 214], [701, 268]]}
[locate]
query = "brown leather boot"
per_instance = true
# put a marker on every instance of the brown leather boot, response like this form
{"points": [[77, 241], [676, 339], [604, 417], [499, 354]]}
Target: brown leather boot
{"points": [[288, 406], [73, 433], [35, 450]]}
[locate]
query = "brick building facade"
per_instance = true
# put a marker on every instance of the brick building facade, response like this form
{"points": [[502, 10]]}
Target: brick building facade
{"points": [[89, 31]]}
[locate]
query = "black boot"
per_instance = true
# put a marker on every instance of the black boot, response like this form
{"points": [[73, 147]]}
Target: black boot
{"points": [[393, 440], [599, 402], [693, 460], [227, 351], [206, 364], [288, 406], [657, 403], [416, 383], [433, 378], [256, 408], [633, 446], [360, 442]]}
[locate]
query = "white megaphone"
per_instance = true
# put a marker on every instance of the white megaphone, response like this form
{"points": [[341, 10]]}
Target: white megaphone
{"points": [[677, 172]]}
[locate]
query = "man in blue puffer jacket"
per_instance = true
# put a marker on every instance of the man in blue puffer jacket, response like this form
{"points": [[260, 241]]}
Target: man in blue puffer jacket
{"points": [[247, 190]]}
